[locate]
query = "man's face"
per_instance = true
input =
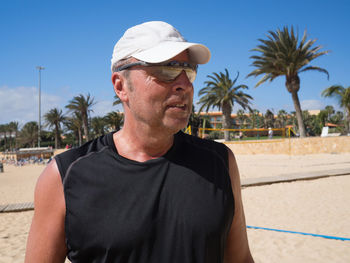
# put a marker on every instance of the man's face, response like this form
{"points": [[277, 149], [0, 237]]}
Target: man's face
{"points": [[160, 105]]}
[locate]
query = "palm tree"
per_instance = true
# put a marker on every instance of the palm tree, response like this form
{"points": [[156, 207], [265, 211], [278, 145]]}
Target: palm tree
{"points": [[220, 91], [74, 124], [54, 118], [307, 118], [330, 111], [29, 134], [114, 119], [116, 101], [98, 125], [342, 94], [242, 118], [3, 133], [283, 55], [194, 121], [292, 120], [282, 116], [6, 130], [337, 118], [269, 119], [204, 124], [323, 117], [256, 119], [14, 126], [83, 106]]}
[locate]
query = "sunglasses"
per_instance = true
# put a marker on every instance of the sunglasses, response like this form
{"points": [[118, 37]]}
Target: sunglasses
{"points": [[166, 72]]}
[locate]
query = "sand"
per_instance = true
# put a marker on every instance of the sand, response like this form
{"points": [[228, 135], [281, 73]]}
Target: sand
{"points": [[274, 165], [14, 228], [318, 206], [17, 183]]}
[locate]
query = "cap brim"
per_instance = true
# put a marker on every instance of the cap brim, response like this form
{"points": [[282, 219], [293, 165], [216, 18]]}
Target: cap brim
{"points": [[198, 53]]}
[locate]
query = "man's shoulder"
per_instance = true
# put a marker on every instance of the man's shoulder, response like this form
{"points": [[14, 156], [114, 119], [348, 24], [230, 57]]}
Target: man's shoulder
{"points": [[65, 159], [90, 146]]}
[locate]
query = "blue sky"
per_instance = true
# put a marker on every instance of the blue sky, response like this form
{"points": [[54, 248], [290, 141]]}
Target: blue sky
{"points": [[74, 40]]}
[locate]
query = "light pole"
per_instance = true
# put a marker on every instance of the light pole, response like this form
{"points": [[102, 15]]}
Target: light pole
{"points": [[39, 128]]}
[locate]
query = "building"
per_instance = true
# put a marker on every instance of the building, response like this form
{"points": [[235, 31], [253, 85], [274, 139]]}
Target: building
{"points": [[215, 118]]}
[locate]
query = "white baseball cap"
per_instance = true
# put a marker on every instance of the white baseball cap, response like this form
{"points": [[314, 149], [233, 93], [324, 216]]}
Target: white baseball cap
{"points": [[156, 42]]}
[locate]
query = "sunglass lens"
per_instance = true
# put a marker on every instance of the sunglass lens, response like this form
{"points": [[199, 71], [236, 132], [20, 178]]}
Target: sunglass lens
{"points": [[168, 74], [191, 75]]}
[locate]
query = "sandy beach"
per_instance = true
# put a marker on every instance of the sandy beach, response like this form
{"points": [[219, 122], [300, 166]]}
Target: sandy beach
{"points": [[262, 165], [318, 206]]}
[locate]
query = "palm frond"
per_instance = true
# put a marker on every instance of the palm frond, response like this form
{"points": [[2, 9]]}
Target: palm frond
{"points": [[220, 92], [281, 53], [315, 68], [116, 101]]}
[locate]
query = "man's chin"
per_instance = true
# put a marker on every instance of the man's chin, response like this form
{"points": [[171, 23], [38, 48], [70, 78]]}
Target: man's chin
{"points": [[176, 125]]}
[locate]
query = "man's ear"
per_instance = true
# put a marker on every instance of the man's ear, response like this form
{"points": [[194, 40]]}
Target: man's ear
{"points": [[119, 85]]}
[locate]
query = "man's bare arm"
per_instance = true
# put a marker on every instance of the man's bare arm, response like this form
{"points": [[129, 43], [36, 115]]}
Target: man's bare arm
{"points": [[237, 248], [46, 240]]}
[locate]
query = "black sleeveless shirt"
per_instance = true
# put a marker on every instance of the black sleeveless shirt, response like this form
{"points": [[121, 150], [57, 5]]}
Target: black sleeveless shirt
{"points": [[176, 208]]}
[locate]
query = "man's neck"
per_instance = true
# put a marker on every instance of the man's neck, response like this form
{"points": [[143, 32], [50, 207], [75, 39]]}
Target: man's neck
{"points": [[142, 144]]}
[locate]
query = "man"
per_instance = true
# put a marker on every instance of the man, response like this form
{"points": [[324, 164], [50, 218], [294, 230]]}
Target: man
{"points": [[147, 193]]}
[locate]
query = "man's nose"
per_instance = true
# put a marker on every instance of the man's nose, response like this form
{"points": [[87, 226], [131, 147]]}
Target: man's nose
{"points": [[182, 83]]}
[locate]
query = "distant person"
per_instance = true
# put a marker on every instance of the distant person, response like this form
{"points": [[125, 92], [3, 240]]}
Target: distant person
{"points": [[149, 192], [239, 135], [270, 133]]}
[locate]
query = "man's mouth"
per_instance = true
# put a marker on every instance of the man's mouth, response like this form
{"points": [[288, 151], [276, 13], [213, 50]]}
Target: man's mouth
{"points": [[178, 105]]}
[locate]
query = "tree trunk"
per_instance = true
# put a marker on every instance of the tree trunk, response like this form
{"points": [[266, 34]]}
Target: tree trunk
{"points": [[56, 135], [16, 140], [5, 141], [298, 113], [79, 135], [253, 121], [347, 120], [59, 139], [56, 139], [85, 127], [226, 112], [293, 86]]}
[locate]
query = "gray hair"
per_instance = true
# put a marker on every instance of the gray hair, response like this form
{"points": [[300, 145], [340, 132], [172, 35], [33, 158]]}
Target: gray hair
{"points": [[121, 63], [125, 73]]}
